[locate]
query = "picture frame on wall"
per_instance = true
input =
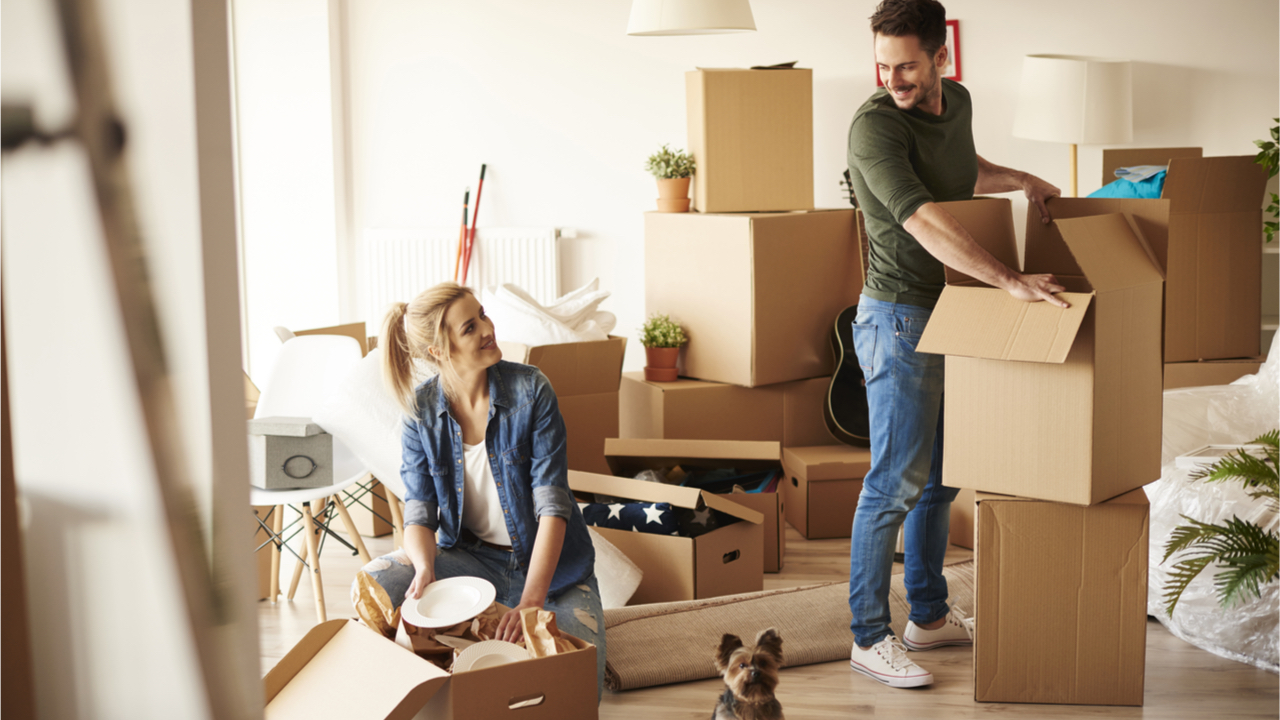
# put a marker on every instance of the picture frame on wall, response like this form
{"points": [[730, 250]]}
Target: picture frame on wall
{"points": [[953, 52]]}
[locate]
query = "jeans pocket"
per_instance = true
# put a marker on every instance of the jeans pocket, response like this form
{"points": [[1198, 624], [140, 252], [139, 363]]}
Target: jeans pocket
{"points": [[864, 346]]}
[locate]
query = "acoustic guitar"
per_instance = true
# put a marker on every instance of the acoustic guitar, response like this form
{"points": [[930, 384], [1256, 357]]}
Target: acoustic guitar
{"points": [[845, 408]]}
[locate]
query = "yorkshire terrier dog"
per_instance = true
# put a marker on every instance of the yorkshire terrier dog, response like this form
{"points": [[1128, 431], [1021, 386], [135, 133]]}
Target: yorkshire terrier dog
{"points": [[750, 676]]}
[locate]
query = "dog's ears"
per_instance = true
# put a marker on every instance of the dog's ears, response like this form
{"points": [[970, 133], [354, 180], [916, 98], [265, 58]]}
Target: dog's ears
{"points": [[728, 644], [770, 642]]}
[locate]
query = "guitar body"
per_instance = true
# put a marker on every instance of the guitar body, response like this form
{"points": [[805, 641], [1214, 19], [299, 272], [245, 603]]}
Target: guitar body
{"points": [[845, 409]]}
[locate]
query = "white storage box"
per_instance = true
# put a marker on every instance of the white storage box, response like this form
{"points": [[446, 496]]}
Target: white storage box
{"points": [[286, 453]]}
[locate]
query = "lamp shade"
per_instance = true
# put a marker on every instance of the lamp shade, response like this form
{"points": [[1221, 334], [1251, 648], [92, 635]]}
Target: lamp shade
{"points": [[690, 17], [1072, 99]]}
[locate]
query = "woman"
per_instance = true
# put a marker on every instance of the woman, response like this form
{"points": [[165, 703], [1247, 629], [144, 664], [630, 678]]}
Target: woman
{"points": [[484, 469]]}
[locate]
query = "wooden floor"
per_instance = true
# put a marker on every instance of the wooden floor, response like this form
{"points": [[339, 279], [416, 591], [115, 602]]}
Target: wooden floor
{"points": [[1182, 681]]}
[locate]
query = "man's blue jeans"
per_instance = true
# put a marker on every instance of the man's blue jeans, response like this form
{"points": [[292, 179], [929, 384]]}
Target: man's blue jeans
{"points": [[904, 393]]}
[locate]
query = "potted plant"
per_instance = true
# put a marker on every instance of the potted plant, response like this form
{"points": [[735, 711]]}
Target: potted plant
{"points": [[662, 338], [673, 170]]}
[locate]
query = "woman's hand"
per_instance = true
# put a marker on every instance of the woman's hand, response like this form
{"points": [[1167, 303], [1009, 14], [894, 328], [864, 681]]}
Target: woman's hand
{"points": [[509, 628], [424, 576]]}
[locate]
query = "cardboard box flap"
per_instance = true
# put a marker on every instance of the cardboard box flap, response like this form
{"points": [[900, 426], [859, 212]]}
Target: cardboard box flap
{"points": [[829, 462], [992, 324], [582, 368], [1215, 185], [692, 449], [1110, 251], [642, 491], [990, 222], [344, 654], [1129, 157], [1133, 497]]}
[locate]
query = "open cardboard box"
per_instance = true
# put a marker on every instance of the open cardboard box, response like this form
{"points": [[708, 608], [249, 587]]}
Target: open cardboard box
{"points": [[1045, 402], [585, 377], [751, 133], [1061, 611], [1210, 247], [629, 456], [342, 669], [787, 413], [757, 293], [725, 561]]}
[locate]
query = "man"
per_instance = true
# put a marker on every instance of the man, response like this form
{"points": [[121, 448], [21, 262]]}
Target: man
{"points": [[911, 147]]}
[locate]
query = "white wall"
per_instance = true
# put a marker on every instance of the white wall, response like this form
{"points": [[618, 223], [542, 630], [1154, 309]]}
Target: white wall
{"points": [[109, 636], [565, 107]]}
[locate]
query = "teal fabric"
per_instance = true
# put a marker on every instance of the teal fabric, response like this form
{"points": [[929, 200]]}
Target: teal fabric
{"points": [[1148, 189]]}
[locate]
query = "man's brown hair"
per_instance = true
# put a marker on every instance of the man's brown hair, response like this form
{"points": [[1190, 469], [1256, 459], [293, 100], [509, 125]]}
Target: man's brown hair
{"points": [[926, 19]]}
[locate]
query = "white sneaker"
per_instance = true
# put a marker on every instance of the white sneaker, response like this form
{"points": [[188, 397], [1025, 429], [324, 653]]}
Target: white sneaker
{"points": [[887, 662], [957, 630]]}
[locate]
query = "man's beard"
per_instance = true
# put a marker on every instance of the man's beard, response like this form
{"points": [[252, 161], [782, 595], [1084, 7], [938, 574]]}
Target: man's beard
{"points": [[934, 87]]}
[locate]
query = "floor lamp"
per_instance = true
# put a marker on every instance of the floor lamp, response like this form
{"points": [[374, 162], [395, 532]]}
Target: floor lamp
{"points": [[1076, 100]]}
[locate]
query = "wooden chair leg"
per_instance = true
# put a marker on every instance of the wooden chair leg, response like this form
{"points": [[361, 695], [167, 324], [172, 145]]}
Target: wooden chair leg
{"points": [[313, 557], [397, 520], [277, 526], [351, 529], [297, 572]]}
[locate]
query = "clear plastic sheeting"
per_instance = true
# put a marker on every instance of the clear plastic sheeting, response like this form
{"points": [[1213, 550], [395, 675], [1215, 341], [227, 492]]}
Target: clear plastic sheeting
{"points": [[1234, 414]]}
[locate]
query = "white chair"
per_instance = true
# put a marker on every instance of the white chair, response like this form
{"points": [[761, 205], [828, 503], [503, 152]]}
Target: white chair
{"points": [[306, 370]]}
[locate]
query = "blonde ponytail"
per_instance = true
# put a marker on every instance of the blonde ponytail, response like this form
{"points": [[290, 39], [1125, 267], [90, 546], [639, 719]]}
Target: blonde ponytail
{"points": [[409, 332]]}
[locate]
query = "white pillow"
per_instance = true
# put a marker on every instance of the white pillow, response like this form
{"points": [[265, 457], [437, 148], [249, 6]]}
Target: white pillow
{"points": [[617, 576]]}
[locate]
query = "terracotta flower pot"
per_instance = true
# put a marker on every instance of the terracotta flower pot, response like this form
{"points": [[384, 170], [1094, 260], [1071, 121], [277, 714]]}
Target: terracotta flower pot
{"points": [[660, 365], [673, 195]]}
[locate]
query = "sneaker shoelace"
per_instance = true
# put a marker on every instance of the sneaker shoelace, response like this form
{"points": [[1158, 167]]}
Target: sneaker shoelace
{"points": [[958, 617], [897, 654]]}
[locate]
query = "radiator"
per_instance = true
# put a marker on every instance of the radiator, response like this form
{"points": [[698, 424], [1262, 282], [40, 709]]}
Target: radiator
{"points": [[396, 264]]}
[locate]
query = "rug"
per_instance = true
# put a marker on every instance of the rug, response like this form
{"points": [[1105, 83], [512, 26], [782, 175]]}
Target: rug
{"points": [[665, 643]]}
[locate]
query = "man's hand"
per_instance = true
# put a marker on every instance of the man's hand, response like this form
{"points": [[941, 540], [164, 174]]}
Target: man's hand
{"points": [[1034, 288], [1038, 192]]}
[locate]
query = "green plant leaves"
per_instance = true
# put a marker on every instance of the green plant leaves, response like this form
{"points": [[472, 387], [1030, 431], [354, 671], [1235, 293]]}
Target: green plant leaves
{"points": [[1269, 158], [667, 164], [1247, 556], [660, 331]]}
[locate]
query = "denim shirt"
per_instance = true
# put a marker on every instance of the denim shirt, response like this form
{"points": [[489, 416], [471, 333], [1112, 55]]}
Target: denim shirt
{"points": [[525, 439]]}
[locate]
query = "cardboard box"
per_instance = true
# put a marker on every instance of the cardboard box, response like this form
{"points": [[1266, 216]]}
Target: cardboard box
{"points": [[1211, 251], [822, 487], [725, 561], [757, 294], [788, 413], [1209, 372], [962, 515], [342, 669], [1045, 402], [751, 134], [629, 456], [585, 377], [1061, 601]]}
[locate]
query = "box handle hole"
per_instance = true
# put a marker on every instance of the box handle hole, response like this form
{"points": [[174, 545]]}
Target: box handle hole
{"points": [[795, 482], [731, 556], [526, 701]]}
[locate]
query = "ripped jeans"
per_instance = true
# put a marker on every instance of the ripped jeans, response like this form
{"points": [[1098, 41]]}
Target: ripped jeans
{"points": [[578, 610]]}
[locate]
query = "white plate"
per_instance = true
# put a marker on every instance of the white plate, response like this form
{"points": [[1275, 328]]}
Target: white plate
{"points": [[449, 602], [488, 653]]}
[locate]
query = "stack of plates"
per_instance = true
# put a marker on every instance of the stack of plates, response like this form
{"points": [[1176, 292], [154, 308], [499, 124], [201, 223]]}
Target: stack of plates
{"points": [[448, 602], [489, 653]]}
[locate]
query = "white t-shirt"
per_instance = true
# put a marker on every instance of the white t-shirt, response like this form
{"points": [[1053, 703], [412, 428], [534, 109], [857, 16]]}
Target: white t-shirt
{"points": [[481, 506]]}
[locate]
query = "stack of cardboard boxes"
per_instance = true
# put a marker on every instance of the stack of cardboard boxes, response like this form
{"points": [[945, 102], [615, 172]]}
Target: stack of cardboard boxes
{"points": [[756, 276], [1054, 415]]}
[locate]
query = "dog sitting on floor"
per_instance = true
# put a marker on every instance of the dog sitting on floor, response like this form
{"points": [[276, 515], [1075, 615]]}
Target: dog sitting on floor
{"points": [[750, 676]]}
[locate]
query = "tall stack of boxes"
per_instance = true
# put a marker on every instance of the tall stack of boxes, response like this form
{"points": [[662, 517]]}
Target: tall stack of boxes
{"points": [[756, 276], [1054, 417]]}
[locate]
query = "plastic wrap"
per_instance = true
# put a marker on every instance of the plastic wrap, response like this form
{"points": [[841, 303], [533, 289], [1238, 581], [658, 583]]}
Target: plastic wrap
{"points": [[1194, 417]]}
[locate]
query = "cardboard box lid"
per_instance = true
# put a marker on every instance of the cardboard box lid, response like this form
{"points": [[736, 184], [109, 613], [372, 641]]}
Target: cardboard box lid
{"points": [[286, 426], [342, 669], [1215, 185], [990, 223], [583, 368], [629, 456], [641, 491], [989, 323], [828, 462]]}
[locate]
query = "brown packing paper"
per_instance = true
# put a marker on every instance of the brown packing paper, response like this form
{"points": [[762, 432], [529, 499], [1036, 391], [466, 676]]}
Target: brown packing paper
{"points": [[541, 636], [374, 606], [438, 645]]}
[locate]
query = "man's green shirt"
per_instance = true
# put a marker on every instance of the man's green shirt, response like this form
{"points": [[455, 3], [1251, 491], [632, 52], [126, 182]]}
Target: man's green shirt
{"points": [[900, 160]]}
